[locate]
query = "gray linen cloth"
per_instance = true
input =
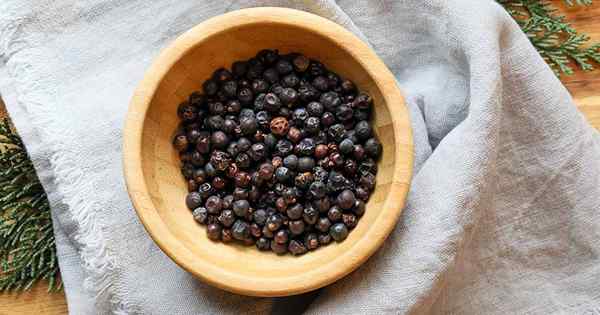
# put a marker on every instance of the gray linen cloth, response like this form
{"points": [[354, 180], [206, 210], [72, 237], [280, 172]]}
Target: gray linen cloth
{"points": [[502, 216]]}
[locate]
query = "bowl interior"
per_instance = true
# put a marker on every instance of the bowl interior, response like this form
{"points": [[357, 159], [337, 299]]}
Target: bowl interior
{"points": [[167, 187]]}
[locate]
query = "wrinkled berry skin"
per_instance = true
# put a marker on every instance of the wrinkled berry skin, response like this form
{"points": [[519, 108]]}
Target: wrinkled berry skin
{"points": [[277, 152]]}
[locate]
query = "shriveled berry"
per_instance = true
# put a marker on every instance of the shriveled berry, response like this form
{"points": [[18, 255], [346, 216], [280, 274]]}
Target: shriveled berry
{"points": [[263, 244], [336, 132], [263, 119], [281, 236], [240, 230], [232, 169], [283, 174], [294, 134], [276, 161], [257, 152], [192, 185], [322, 205], [301, 63], [210, 87], [180, 142], [296, 227], [193, 200], [213, 231], [317, 190], [227, 202], [321, 151], [350, 167], [373, 148], [311, 241], [310, 215], [274, 222], [234, 107], [227, 217], [346, 146], [260, 86], [321, 83], [303, 180], [306, 147], [291, 80], [226, 235], [359, 208], [299, 116], [284, 147], [362, 193], [270, 141], [241, 207], [347, 86], [279, 126], [327, 119], [323, 224], [255, 230], [288, 96], [283, 67], [272, 102], [338, 232], [200, 215], [219, 160], [248, 125], [244, 144], [242, 179], [337, 159], [297, 248], [362, 101], [271, 75], [334, 214], [213, 204], [330, 101], [260, 217], [279, 249], [197, 159], [280, 204], [324, 239], [295, 212], [215, 122], [368, 181], [367, 166], [291, 161], [312, 125], [242, 160], [219, 183], [205, 190], [307, 93]]}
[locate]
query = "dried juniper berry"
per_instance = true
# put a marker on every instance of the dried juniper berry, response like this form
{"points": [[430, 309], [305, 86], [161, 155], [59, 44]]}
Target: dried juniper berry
{"points": [[294, 134], [338, 232], [310, 215], [324, 239], [283, 147], [279, 249], [288, 97], [299, 116], [200, 215], [311, 241], [297, 248], [295, 212], [240, 230], [334, 214], [193, 200], [323, 224], [213, 231], [291, 80], [263, 244], [312, 125], [274, 222]]}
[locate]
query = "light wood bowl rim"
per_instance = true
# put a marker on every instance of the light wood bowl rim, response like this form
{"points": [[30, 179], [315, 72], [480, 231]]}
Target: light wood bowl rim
{"points": [[228, 280]]}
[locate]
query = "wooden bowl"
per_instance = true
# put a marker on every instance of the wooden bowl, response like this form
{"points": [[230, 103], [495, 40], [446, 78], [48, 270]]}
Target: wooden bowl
{"points": [[157, 188]]}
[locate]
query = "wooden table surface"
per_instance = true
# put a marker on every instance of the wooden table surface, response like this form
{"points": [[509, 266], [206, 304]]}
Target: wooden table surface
{"points": [[584, 86]]}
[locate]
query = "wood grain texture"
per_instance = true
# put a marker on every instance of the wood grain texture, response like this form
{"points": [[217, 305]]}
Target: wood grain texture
{"points": [[158, 190], [584, 86]]}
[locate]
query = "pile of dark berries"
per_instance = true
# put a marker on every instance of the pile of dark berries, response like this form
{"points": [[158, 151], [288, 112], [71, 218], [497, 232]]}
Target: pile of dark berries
{"points": [[278, 152]]}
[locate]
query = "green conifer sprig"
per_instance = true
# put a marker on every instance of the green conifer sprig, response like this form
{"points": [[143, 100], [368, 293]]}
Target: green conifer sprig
{"points": [[554, 38], [27, 250]]}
